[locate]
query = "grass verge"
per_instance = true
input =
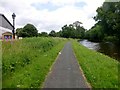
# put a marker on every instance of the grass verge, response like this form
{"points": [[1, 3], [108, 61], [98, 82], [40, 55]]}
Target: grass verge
{"points": [[101, 71], [26, 62]]}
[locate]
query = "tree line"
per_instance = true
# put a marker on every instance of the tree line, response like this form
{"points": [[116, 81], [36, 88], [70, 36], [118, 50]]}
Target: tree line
{"points": [[74, 30]]}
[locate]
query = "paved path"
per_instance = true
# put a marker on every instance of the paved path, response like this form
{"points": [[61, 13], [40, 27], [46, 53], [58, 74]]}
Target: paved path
{"points": [[65, 72]]}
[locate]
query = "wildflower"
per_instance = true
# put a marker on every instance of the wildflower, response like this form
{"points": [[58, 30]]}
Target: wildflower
{"points": [[18, 85]]}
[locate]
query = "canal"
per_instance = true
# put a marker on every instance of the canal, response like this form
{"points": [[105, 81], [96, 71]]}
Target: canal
{"points": [[107, 48]]}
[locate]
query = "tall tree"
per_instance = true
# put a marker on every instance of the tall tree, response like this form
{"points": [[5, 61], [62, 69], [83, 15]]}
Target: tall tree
{"points": [[19, 32], [74, 30], [109, 17], [30, 30], [77, 24], [52, 33]]}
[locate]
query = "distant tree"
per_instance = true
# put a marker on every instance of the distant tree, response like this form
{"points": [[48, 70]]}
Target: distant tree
{"points": [[59, 34], [77, 24], [29, 30], [65, 32], [73, 30], [52, 33], [19, 32], [43, 34]]}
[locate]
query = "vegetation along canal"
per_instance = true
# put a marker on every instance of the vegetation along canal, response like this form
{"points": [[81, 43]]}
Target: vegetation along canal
{"points": [[107, 48]]}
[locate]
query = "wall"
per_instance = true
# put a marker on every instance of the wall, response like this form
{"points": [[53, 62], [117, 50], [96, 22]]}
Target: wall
{"points": [[5, 24]]}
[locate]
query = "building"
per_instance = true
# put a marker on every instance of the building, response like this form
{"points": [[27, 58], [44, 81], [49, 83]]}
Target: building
{"points": [[5, 28], [7, 35]]}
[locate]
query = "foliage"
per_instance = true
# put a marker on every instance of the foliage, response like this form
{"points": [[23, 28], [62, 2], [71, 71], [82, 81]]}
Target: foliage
{"points": [[73, 30], [43, 34], [70, 31], [111, 38], [108, 23], [19, 32], [95, 34], [108, 16], [80, 32], [28, 30], [28, 65], [59, 34], [52, 33], [101, 71]]}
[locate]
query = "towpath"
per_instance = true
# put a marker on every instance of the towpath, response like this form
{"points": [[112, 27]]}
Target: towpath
{"points": [[66, 72]]}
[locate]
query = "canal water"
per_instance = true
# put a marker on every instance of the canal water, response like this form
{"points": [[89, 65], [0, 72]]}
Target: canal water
{"points": [[107, 48]]}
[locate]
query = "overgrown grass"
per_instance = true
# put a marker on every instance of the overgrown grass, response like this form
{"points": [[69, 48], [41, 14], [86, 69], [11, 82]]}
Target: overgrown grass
{"points": [[26, 62], [101, 71]]}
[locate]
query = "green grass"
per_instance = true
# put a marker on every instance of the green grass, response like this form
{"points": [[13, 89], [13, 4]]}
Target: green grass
{"points": [[101, 71], [26, 62]]}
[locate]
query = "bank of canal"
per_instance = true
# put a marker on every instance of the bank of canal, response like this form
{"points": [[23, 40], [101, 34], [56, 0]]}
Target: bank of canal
{"points": [[107, 48]]}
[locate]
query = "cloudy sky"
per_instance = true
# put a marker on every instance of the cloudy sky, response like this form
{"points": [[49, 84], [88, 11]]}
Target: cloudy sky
{"points": [[49, 15]]}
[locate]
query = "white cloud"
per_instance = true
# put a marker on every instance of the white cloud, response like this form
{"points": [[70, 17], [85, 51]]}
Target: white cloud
{"points": [[46, 20]]}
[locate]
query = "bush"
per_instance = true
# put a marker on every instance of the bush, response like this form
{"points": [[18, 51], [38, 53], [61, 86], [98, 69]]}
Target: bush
{"points": [[111, 38]]}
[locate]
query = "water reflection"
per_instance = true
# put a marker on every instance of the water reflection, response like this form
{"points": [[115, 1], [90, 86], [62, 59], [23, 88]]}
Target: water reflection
{"points": [[108, 48], [90, 45]]}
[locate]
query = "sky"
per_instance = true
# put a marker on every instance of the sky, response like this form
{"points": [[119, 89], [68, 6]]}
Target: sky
{"points": [[47, 15]]}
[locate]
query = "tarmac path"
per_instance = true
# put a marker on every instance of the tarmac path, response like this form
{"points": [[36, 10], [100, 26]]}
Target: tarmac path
{"points": [[66, 72]]}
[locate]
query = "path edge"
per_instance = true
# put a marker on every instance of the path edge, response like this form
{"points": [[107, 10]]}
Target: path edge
{"points": [[50, 70], [89, 85]]}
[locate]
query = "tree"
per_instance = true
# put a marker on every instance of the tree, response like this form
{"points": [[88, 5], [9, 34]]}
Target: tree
{"points": [[108, 16], [70, 31], [65, 32], [59, 34], [77, 24], [52, 33], [43, 34], [19, 32], [80, 32], [116, 26], [29, 30], [73, 30], [95, 33]]}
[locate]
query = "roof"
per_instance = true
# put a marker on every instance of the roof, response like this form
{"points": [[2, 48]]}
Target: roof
{"points": [[6, 19], [6, 33]]}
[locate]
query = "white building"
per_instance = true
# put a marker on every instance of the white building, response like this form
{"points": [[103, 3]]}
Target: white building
{"points": [[5, 27]]}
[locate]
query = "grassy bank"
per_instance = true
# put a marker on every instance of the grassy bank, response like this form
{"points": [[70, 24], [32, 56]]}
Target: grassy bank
{"points": [[26, 62], [101, 71]]}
